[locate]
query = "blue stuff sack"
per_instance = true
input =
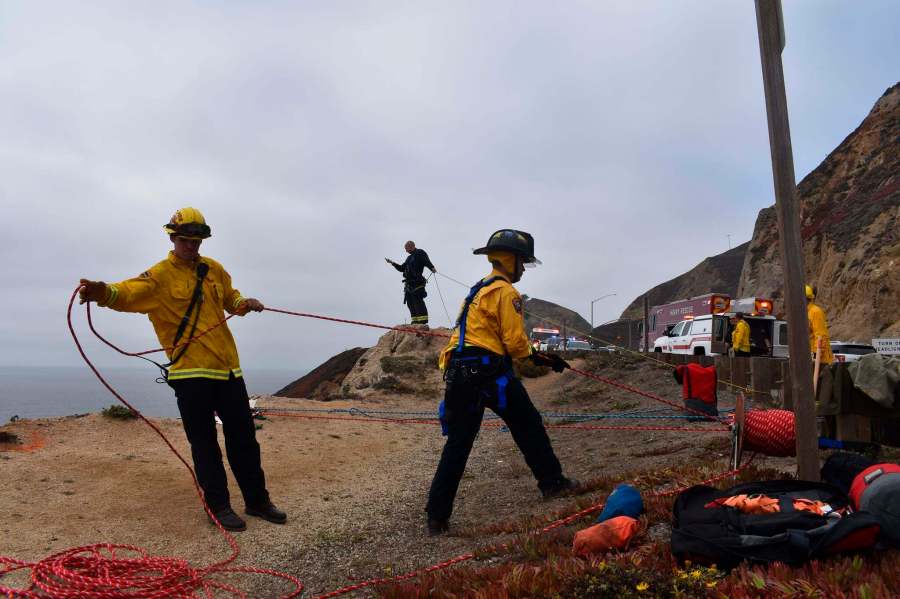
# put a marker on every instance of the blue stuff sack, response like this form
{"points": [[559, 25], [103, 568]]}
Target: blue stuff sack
{"points": [[625, 500]]}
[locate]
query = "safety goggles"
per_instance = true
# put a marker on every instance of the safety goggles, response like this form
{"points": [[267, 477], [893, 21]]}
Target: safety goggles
{"points": [[191, 230]]}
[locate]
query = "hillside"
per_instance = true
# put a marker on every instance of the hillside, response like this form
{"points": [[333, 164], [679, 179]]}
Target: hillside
{"points": [[544, 314], [324, 382], [850, 218], [720, 273]]}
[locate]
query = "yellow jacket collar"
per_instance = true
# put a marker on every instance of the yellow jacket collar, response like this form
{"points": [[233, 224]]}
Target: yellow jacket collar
{"points": [[502, 275], [182, 263]]}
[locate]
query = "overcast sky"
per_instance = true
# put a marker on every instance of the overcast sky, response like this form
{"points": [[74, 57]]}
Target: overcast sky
{"points": [[628, 137]]}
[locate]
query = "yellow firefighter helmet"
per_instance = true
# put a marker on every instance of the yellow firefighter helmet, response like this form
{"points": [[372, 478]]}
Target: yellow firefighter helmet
{"points": [[188, 223]]}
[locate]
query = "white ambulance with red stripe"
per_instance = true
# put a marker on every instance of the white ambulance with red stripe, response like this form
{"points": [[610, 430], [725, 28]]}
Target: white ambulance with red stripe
{"points": [[707, 330]]}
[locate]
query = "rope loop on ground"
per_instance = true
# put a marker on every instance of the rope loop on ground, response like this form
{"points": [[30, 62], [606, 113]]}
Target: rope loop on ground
{"points": [[115, 571]]}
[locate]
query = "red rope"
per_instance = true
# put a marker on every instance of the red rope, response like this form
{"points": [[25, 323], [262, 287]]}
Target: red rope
{"points": [[509, 544], [151, 351], [646, 394], [98, 571], [361, 323], [412, 331], [491, 424]]}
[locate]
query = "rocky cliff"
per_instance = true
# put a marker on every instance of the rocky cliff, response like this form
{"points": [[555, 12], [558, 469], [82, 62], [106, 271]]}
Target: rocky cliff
{"points": [[399, 364], [720, 274], [325, 381], [850, 219]]}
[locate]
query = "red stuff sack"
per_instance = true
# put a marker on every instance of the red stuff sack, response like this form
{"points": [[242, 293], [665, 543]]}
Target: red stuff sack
{"points": [[614, 533]]}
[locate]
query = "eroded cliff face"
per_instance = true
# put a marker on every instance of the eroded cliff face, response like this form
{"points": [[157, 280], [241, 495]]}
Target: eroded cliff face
{"points": [[850, 219], [716, 274]]}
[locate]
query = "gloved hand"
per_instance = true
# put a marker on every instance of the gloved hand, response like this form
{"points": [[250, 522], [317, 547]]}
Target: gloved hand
{"points": [[389, 261], [552, 360], [92, 291], [252, 305]]}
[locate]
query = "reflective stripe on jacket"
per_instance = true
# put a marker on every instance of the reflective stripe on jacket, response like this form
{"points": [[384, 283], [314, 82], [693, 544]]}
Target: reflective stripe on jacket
{"points": [[164, 293], [495, 322]]}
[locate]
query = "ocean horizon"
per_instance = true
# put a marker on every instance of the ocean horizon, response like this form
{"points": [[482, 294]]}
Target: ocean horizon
{"points": [[48, 392]]}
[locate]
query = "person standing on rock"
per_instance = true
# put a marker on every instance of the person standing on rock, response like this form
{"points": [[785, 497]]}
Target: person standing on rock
{"points": [[184, 295], [414, 283], [818, 328], [477, 365]]}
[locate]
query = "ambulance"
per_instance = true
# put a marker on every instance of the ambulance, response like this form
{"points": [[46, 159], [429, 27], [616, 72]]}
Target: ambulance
{"points": [[709, 331]]}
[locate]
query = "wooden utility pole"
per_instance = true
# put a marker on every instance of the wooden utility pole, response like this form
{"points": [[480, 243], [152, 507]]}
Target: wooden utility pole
{"points": [[770, 25], [646, 322]]}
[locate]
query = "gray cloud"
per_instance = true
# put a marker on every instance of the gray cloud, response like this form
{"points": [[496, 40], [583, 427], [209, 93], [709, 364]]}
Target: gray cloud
{"points": [[630, 138]]}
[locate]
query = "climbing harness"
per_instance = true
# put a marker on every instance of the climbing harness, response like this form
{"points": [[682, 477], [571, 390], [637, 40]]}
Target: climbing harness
{"points": [[472, 365]]}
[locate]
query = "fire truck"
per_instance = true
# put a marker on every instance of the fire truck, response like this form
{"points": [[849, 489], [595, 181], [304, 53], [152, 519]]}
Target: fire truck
{"points": [[704, 326], [540, 336]]}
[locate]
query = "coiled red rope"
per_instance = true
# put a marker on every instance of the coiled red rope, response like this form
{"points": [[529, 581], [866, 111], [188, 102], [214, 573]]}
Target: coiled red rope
{"points": [[101, 571]]}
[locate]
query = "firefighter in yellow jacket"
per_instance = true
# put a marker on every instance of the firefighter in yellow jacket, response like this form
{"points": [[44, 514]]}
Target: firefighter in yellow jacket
{"points": [[183, 295], [740, 336], [818, 328], [477, 365]]}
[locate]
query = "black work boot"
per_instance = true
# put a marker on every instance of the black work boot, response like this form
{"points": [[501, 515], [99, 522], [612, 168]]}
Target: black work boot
{"points": [[229, 520], [561, 486], [267, 511], [437, 526]]}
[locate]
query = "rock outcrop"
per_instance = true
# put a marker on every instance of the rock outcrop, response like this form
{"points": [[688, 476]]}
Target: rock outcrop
{"points": [[850, 219], [399, 364], [325, 381]]}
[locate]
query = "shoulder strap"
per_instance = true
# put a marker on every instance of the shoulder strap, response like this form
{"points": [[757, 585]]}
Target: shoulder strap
{"points": [[464, 313], [202, 270]]}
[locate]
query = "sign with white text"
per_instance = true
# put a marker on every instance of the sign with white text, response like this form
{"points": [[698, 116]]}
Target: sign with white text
{"points": [[890, 347]]}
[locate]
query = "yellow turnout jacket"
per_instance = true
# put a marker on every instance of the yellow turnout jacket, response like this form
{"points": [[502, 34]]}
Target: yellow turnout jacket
{"points": [[740, 336], [164, 293], [818, 327], [495, 322]]}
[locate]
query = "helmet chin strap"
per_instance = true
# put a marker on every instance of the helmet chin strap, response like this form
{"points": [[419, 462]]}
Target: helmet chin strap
{"points": [[519, 268]]}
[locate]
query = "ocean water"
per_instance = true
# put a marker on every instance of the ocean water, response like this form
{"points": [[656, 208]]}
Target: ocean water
{"points": [[38, 392]]}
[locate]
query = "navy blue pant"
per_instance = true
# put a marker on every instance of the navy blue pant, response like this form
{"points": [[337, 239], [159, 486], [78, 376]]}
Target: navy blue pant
{"points": [[415, 301], [199, 400], [465, 404]]}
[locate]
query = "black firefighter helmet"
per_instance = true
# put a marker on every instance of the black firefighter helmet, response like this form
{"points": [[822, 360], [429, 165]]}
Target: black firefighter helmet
{"points": [[510, 240]]}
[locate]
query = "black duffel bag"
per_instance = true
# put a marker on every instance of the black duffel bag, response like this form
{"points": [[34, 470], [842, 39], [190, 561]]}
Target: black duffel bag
{"points": [[706, 533]]}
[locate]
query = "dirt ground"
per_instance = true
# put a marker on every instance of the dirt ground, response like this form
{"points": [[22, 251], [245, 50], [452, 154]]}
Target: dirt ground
{"points": [[354, 491]]}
